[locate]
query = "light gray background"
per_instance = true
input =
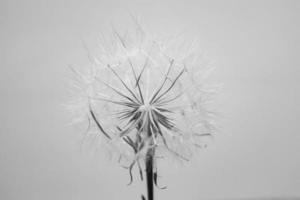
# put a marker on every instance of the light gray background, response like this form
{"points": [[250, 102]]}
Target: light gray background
{"points": [[255, 46]]}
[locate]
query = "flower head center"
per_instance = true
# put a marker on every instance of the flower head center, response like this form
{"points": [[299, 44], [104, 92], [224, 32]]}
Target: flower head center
{"points": [[146, 107]]}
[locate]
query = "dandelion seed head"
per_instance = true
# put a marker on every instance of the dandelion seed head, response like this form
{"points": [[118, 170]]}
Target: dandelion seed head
{"points": [[144, 91]]}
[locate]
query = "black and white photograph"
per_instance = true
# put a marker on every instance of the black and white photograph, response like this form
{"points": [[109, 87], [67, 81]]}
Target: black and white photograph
{"points": [[149, 100]]}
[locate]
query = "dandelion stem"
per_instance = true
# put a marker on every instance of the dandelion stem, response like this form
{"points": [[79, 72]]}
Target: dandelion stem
{"points": [[149, 173]]}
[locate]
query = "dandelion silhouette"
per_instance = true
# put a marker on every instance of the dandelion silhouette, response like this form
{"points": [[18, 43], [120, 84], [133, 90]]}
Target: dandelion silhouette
{"points": [[146, 96]]}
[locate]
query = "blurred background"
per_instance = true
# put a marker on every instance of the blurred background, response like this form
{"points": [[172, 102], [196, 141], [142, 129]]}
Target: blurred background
{"points": [[254, 46]]}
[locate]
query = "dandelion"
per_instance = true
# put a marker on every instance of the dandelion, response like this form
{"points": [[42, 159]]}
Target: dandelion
{"points": [[146, 95]]}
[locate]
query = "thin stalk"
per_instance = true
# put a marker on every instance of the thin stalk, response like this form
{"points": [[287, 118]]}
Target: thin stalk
{"points": [[149, 166], [149, 174]]}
